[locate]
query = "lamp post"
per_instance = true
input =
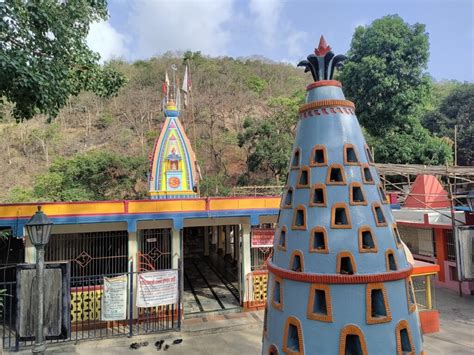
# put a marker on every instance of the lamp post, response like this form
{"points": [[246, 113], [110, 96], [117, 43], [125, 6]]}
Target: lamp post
{"points": [[39, 231]]}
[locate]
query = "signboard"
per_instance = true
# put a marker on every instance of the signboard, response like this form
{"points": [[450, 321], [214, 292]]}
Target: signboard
{"points": [[157, 288], [262, 237], [465, 253], [57, 300], [114, 299]]}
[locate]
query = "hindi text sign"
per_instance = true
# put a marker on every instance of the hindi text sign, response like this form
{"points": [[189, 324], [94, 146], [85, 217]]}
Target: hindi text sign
{"points": [[157, 288], [262, 237], [114, 299]]}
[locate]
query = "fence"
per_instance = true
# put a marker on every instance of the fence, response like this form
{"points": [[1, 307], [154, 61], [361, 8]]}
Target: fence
{"points": [[86, 312]]}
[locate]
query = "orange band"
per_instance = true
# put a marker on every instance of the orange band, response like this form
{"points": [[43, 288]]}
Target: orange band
{"points": [[320, 83], [326, 103], [338, 278]]}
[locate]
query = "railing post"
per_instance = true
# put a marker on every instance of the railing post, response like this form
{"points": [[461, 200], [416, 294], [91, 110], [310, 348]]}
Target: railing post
{"points": [[429, 304], [130, 305]]}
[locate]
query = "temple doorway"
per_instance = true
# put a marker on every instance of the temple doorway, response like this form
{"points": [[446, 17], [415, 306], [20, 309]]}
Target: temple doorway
{"points": [[211, 270]]}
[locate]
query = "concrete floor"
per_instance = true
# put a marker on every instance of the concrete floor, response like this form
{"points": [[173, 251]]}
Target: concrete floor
{"points": [[241, 333]]}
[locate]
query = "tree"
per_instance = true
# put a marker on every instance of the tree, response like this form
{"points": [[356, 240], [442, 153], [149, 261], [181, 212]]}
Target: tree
{"points": [[385, 77], [384, 74], [268, 142], [98, 175], [44, 57], [457, 109]]}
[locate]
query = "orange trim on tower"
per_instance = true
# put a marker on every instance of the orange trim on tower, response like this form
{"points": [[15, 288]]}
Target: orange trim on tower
{"points": [[326, 103], [337, 278], [320, 83]]}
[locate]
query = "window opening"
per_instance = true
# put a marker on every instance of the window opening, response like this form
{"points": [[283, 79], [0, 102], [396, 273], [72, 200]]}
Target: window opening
{"points": [[352, 341], [276, 292], [282, 240], [318, 195], [335, 175], [319, 155], [370, 158], [378, 310], [304, 177], [367, 175], [383, 196], [391, 262], [293, 342], [289, 198], [297, 262], [406, 346], [273, 350], [410, 296], [345, 264], [378, 304], [319, 240], [299, 218], [353, 345], [357, 196], [398, 239], [340, 217], [404, 339], [379, 216], [350, 155], [366, 240], [319, 306], [293, 337], [295, 163]]}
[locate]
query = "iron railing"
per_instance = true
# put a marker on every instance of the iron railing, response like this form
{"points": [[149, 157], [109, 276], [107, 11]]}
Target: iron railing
{"points": [[86, 313]]}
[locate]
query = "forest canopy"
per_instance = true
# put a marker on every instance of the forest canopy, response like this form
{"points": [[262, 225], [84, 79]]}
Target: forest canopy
{"points": [[242, 122]]}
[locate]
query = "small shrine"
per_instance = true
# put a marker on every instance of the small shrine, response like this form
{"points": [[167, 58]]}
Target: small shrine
{"points": [[339, 276], [173, 165]]}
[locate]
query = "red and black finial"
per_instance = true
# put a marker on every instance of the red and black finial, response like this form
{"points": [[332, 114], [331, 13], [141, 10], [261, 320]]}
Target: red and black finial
{"points": [[323, 62]]}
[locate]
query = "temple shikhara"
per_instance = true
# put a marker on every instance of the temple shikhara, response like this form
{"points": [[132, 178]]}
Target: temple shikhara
{"points": [[173, 166], [339, 276]]}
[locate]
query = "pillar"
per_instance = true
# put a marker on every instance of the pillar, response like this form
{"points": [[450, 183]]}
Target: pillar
{"points": [[175, 247], [221, 239], [133, 250], [237, 242], [206, 241], [246, 261], [214, 235], [228, 245], [440, 253]]}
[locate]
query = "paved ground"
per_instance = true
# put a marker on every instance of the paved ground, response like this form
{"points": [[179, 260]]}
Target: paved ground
{"points": [[205, 290], [240, 333]]}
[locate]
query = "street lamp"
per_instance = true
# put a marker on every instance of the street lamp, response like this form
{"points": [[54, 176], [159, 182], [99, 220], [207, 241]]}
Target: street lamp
{"points": [[39, 231]]}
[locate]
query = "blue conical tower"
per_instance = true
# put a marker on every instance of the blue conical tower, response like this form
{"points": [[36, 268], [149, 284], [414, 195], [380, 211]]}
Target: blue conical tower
{"points": [[339, 278]]}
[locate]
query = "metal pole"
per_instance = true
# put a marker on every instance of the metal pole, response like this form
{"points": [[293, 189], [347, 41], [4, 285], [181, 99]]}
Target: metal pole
{"points": [[429, 303], [453, 226], [39, 346]]}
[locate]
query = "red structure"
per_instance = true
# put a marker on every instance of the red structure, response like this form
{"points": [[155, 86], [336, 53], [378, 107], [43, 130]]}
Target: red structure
{"points": [[427, 192]]}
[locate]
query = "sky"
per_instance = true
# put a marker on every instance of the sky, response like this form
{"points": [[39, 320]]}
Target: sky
{"points": [[281, 30]]}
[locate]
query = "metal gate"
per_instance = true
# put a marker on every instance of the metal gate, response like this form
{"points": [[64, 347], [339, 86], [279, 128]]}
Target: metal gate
{"points": [[95, 253], [86, 312], [154, 249]]}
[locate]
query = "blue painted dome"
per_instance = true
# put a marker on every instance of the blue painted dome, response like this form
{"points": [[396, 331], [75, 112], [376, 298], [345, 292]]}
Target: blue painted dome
{"points": [[339, 277]]}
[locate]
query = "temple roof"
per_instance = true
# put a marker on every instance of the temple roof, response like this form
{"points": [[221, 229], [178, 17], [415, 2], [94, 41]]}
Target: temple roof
{"points": [[427, 192]]}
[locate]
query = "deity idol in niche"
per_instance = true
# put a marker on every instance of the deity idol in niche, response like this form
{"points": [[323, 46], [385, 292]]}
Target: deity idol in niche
{"points": [[173, 159]]}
